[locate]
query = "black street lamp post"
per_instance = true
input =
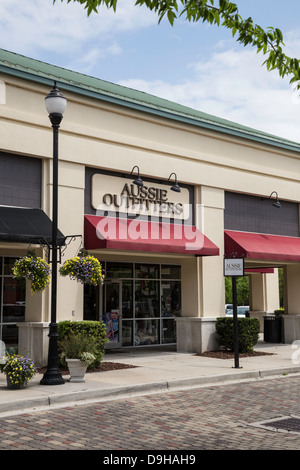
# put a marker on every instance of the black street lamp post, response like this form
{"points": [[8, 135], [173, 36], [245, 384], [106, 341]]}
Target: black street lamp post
{"points": [[55, 105]]}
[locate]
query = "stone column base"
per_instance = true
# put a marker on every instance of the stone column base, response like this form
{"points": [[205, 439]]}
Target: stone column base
{"points": [[196, 334], [291, 328], [34, 341]]}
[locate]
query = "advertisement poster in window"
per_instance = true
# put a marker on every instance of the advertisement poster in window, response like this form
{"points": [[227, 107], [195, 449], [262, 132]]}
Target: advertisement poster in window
{"points": [[111, 320]]}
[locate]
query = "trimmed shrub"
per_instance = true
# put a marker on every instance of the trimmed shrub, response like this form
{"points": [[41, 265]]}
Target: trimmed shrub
{"points": [[248, 333], [279, 312], [91, 329]]}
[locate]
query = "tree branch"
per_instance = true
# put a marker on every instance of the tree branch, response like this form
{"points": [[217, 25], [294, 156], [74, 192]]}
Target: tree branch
{"points": [[269, 41]]}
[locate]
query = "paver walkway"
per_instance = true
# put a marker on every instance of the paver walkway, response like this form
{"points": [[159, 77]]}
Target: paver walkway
{"points": [[215, 417]]}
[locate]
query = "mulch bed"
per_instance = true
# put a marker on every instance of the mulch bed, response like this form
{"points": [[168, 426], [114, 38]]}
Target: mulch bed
{"points": [[223, 354], [105, 366]]}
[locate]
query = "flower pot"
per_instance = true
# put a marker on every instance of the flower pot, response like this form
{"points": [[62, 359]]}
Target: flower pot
{"points": [[77, 370], [16, 386], [84, 268]]}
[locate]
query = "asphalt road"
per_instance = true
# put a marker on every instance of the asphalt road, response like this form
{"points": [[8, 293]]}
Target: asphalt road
{"points": [[222, 417]]}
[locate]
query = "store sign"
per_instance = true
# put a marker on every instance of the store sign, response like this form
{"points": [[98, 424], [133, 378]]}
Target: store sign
{"points": [[234, 267], [114, 194]]}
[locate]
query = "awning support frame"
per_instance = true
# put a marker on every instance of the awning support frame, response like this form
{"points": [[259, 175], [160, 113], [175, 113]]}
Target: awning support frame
{"points": [[61, 247]]}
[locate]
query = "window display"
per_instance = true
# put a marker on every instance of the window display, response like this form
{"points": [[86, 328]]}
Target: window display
{"points": [[146, 298], [150, 300], [147, 271], [146, 332]]}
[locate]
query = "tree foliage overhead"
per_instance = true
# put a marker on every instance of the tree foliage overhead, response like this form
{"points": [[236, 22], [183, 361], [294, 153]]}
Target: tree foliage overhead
{"points": [[224, 13]]}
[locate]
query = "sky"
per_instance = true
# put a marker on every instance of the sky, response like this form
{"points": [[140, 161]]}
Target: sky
{"points": [[194, 64]]}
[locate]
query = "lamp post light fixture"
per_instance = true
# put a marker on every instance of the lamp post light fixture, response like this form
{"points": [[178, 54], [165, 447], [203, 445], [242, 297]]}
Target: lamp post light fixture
{"points": [[138, 181], [276, 203], [175, 186], [55, 104]]}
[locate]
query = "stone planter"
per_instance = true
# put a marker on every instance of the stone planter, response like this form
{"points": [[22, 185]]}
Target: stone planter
{"points": [[77, 370]]}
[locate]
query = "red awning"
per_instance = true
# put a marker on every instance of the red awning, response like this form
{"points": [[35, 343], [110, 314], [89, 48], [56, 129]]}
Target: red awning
{"points": [[141, 235], [261, 246]]}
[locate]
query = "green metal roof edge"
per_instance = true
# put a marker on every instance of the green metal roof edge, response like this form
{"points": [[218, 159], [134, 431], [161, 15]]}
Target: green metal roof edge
{"points": [[44, 73]]}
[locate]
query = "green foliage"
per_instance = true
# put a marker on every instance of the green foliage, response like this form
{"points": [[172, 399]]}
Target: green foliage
{"points": [[83, 268], [281, 286], [33, 268], [20, 369], [78, 346], [279, 312], [248, 333], [242, 289], [269, 41], [88, 333]]}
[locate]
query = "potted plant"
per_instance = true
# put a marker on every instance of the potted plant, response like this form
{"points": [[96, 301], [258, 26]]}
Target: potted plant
{"points": [[33, 268], [83, 268], [18, 369], [78, 351]]}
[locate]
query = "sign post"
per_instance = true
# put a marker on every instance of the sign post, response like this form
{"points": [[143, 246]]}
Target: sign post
{"points": [[234, 267]]}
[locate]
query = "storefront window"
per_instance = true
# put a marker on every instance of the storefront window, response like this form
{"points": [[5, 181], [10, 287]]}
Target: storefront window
{"points": [[90, 306], [127, 333], [127, 299], [147, 271], [12, 302], [151, 301], [146, 298], [170, 299], [168, 331], [8, 264], [146, 332], [112, 310], [119, 270], [170, 272]]}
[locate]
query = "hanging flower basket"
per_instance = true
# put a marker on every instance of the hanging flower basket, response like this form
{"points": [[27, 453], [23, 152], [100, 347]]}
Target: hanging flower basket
{"points": [[33, 268], [18, 369], [84, 268]]}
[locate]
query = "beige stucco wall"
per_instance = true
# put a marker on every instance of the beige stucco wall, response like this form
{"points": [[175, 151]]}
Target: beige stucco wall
{"points": [[109, 137], [292, 282]]}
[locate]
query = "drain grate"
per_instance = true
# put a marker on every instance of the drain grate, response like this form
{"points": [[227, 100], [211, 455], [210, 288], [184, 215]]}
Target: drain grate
{"points": [[285, 424]]}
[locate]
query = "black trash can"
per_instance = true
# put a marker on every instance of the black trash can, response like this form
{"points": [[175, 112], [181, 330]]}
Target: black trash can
{"points": [[273, 329]]}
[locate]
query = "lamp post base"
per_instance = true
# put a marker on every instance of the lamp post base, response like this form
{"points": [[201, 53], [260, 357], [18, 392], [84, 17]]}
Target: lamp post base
{"points": [[52, 377]]}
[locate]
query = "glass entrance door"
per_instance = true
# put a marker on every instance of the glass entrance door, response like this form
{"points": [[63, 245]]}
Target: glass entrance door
{"points": [[112, 313]]}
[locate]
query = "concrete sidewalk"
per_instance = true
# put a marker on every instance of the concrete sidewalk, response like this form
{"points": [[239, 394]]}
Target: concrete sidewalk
{"points": [[158, 371]]}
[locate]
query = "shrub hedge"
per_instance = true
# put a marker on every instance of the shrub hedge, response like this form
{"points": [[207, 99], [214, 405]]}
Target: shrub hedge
{"points": [[248, 333], [92, 329]]}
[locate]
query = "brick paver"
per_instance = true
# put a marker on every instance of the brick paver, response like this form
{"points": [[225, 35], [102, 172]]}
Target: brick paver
{"points": [[208, 418]]}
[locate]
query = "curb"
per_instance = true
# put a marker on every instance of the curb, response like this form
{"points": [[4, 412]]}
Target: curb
{"points": [[118, 392]]}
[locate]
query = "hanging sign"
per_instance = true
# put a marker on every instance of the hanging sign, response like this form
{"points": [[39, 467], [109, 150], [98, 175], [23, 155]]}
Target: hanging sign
{"points": [[234, 267]]}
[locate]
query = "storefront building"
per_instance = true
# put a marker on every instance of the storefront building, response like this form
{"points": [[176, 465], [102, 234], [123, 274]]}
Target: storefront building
{"points": [[162, 249]]}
